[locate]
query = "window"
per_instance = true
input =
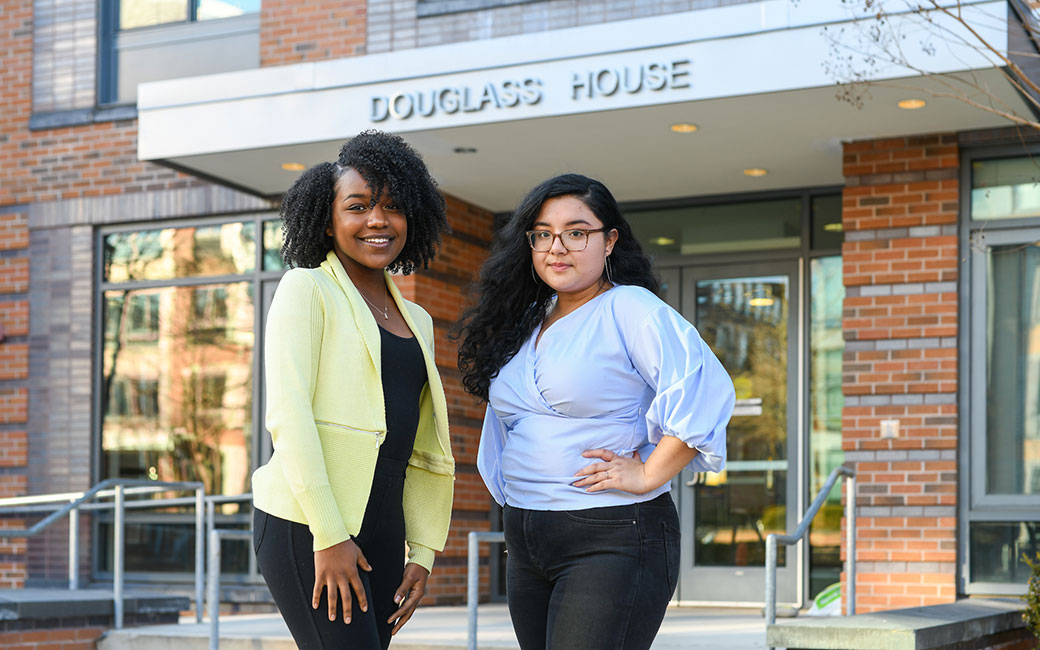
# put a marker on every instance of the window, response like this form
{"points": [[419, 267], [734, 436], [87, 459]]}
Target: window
{"points": [[152, 40], [179, 308], [146, 13], [1003, 345]]}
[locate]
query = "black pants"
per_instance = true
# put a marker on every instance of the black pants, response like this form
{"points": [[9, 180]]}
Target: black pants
{"points": [[284, 553], [595, 579]]}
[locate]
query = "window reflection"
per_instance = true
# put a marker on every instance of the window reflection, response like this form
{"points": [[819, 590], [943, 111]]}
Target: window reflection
{"points": [[168, 253], [273, 246], [1005, 189], [1013, 371], [997, 549], [143, 13], [177, 385], [697, 230], [744, 321], [826, 347]]}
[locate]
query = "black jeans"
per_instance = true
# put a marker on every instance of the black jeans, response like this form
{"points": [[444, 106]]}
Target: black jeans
{"points": [[595, 579], [285, 556]]}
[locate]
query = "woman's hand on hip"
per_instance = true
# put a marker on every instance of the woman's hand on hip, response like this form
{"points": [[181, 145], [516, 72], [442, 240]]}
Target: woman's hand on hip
{"points": [[614, 473], [408, 595], [336, 569], [633, 475]]}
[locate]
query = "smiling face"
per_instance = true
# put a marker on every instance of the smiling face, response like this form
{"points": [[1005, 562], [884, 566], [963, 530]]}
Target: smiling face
{"points": [[566, 271], [366, 238]]}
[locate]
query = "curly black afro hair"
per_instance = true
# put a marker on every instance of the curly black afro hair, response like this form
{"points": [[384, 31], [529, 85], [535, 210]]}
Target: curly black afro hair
{"points": [[388, 164]]}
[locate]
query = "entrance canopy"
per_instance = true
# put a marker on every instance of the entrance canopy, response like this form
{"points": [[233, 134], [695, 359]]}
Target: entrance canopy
{"points": [[493, 117]]}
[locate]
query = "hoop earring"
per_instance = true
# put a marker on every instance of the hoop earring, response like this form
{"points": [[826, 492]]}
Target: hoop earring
{"points": [[534, 275], [606, 266]]}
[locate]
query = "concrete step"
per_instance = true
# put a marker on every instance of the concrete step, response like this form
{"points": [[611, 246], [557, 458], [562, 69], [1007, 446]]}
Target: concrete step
{"points": [[986, 622], [444, 628]]}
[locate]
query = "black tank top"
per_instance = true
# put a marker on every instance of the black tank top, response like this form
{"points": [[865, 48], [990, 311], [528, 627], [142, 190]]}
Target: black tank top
{"points": [[404, 376]]}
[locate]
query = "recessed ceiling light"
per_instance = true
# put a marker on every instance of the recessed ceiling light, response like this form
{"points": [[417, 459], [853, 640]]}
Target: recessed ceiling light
{"points": [[834, 227], [293, 167], [761, 302], [465, 150], [662, 241], [755, 171], [684, 127], [911, 104]]}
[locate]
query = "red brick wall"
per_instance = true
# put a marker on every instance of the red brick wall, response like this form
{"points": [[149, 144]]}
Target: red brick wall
{"points": [[52, 164], [14, 371], [900, 322], [301, 30], [441, 291]]}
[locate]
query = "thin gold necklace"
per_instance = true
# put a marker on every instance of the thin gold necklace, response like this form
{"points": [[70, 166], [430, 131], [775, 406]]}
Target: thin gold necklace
{"points": [[386, 316]]}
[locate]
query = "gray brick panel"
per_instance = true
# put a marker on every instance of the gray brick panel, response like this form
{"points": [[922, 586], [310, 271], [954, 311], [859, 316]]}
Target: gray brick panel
{"points": [[907, 400], [859, 456], [925, 231], [861, 346], [438, 23], [64, 54], [911, 288], [861, 235], [876, 290]]}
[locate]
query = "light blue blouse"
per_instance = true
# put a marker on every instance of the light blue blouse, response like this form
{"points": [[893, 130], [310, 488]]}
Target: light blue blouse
{"points": [[617, 373]]}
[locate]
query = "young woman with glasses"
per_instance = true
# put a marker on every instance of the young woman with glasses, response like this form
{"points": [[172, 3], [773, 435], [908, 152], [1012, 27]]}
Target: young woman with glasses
{"points": [[598, 395], [357, 414]]}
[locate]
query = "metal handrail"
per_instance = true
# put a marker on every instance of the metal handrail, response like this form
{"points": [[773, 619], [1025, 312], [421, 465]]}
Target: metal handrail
{"points": [[473, 580], [214, 536], [803, 528], [213, 581], [117, 489]]}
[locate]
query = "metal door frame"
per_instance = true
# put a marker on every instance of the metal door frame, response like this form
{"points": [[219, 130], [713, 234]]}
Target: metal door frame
{"points": [[790, 577]]}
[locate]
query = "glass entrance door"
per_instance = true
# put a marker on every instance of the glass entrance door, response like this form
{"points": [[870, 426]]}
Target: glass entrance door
{"points": [[748, 315]]}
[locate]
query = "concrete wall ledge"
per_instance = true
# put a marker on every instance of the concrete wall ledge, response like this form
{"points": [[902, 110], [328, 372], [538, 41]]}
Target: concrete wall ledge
{"points": [[39, 603], [955, 625]]}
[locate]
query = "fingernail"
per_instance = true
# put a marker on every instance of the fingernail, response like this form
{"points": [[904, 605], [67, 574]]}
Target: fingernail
{"points": [[398, 598], [346, 620]]}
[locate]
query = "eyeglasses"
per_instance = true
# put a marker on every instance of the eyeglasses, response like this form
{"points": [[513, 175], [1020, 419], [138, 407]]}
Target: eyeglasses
{"points": [[575, 239]]}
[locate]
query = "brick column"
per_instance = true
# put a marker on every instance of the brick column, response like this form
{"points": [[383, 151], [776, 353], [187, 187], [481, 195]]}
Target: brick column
{"points": [[899, 212], [14, 392], [441, 291]]}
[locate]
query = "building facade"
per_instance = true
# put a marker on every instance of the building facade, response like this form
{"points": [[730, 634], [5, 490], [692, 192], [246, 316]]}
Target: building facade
{"points": [[865, 271]]}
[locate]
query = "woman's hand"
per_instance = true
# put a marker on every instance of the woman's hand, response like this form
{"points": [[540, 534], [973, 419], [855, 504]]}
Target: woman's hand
{"points": [[408, 595], [632, 474], [615, 473], [336, 569]]}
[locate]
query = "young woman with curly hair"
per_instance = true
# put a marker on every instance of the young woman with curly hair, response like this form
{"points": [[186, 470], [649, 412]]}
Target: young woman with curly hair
{"points": [[362, 462], [598, 395]]}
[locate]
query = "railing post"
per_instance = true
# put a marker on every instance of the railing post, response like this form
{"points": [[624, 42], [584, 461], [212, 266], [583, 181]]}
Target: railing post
{"points": [[850, 545], [200, 539], [118, 552], [472, 588], [213, 588], [73, 548], [770, 579]]}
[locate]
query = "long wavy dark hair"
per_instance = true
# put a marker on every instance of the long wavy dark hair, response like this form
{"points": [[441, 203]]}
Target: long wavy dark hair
{"points": [[388, 164], [512, 301]]}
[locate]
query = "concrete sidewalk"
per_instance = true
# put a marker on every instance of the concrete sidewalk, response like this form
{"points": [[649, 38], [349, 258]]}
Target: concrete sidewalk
{"points": [[444, 628]]}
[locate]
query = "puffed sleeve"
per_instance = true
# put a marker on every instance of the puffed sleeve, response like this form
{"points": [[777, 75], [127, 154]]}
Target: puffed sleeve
{"points": [[489, 455], [694, 393]]}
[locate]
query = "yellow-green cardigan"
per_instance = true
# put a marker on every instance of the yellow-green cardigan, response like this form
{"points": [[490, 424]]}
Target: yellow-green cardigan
{"points": [[326, 416]]}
